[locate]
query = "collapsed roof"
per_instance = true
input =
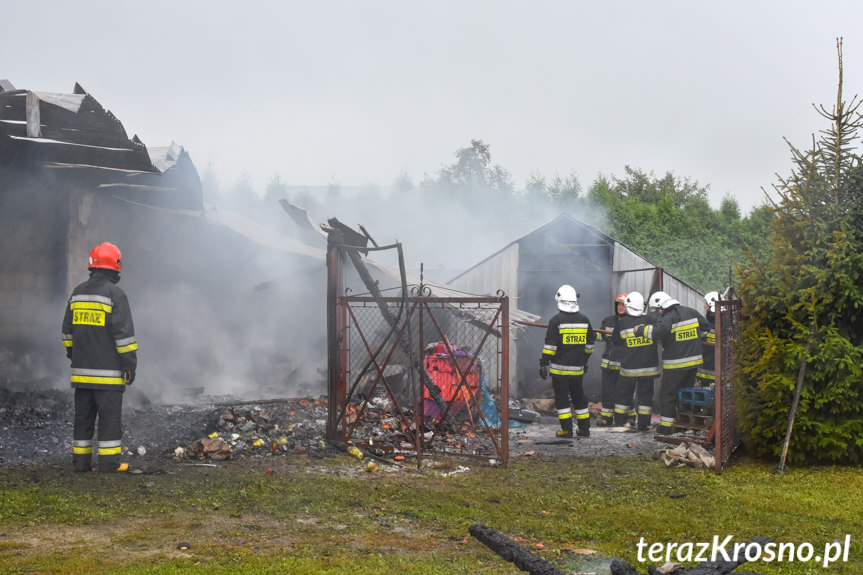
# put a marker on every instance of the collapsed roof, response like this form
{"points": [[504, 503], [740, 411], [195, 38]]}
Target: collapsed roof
{"points": [[65, 128]]}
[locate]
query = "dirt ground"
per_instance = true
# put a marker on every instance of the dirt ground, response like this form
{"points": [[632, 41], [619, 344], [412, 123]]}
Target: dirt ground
{"points": [[36, 428], [603, 441]]}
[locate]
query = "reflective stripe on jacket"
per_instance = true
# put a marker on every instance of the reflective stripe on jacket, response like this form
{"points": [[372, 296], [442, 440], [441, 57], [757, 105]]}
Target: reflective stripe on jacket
{"points": [[639, 356], [569, 341], [99, 334], [680, 329]]}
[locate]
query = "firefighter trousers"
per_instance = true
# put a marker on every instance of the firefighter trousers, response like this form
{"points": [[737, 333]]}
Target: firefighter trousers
{"points": [[609, 391], [106, 405], [566, 386], [643, 389], [673, 380]]}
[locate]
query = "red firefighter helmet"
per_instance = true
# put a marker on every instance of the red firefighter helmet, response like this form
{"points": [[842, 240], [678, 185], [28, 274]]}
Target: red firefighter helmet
{"points": [[106, 256], [620, 304]]}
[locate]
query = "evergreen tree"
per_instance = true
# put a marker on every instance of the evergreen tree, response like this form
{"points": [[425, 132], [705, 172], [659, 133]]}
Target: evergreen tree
{"points": [[805, 303]]}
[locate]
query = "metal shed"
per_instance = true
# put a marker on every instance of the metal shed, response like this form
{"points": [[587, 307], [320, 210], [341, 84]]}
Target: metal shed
{"points": [[566, 250]]}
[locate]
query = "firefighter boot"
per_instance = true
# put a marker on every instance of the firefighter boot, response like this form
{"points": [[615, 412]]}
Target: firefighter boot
{"points": [[82, 462], [565, 428], [111, 464], [643, 422], [665, 426], [583, 428], [606, 419]]}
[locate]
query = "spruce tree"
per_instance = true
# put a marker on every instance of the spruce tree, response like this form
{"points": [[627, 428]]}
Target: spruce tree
{"points": [[804, 302]]}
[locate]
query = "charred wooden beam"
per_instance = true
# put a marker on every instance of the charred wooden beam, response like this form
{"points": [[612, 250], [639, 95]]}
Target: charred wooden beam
{"points": [[512, 551], [366, 233]]}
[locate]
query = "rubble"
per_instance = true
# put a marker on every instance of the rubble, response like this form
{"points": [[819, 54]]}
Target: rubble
{"points": [[34, 425], [36, 428], [686, 455], [263, 428]]}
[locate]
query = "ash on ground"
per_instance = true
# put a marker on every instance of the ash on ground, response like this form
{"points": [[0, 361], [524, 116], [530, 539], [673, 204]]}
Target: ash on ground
{"points": [[36, 428]]}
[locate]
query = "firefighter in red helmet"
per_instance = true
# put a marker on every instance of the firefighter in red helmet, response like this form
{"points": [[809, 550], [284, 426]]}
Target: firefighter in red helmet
{"points": [[610, 362], [99, 338]]}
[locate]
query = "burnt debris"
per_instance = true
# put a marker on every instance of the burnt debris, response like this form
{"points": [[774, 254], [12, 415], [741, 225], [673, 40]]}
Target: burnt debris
{"points": [[512, 551]]}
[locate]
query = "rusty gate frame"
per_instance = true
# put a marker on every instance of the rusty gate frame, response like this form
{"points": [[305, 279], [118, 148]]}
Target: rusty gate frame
{"points": [[727, 434], [415, 428]]}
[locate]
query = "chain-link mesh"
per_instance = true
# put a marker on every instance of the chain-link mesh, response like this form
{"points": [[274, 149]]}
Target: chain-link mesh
{"points": [[428, 376], [727, 334]]}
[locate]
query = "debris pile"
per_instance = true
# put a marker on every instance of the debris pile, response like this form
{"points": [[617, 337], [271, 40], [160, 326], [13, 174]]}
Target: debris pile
{"points": [[33, 409], [36, 428], [385, 431], [686, 455], [263, 428]]}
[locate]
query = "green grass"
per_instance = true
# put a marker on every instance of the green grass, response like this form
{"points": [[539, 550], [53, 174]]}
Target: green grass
{"points": [[328, 516]]}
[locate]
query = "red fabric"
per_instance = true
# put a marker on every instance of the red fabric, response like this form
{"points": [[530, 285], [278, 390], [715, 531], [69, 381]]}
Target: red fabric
{"points": [[439, 365]]}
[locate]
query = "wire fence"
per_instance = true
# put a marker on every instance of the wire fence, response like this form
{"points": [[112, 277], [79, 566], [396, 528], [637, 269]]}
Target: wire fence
{"points": [[728, 328], [423, 375]]}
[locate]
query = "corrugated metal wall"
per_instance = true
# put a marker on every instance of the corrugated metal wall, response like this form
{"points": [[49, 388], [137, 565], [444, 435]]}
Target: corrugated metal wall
{"points": [[634, 273], [631, 271], [628, 272], [499, 272]]}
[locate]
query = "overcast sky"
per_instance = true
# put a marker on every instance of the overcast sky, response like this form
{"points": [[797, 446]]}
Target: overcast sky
{"points": [[359, 92]]}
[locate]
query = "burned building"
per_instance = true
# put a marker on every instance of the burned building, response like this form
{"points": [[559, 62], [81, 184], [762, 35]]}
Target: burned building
{"points": [[565, 251], [70, 178]]}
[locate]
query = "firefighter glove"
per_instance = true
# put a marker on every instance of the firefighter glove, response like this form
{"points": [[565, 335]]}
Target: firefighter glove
{"points": [[638, 330], [129, 376], [543, 371]]}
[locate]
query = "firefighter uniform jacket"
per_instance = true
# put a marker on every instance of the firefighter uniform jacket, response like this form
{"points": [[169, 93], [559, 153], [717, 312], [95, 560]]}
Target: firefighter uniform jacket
{"points": [[99, 335], [610, 354], [680, 330], [638, 355], [569, 342]]}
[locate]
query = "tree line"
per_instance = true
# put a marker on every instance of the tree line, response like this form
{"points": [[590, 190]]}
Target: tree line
{"points": [[668, 220]]}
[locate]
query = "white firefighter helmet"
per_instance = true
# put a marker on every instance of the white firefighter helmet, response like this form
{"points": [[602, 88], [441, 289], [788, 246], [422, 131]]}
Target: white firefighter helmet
{"points": [[662, 300], [634, 304], [567, 299], [710, 300]]}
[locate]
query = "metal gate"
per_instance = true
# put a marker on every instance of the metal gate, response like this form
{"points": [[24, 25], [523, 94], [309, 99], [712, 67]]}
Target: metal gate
{"points": [[728, 320], [421, 375]]}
